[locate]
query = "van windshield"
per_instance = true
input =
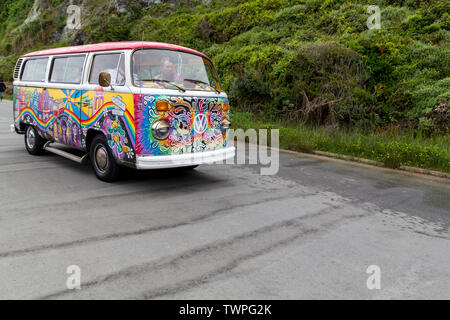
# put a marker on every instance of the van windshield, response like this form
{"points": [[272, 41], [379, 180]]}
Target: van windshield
{"points": [[172, 69]]}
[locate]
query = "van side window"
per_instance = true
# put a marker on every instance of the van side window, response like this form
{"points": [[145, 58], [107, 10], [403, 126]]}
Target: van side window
{"points": [[67, 69], [34, 70], [113, 63]]}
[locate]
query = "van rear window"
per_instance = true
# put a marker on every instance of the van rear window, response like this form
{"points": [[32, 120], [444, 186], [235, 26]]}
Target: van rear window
{"points": [[34, 70], [67, 69]]}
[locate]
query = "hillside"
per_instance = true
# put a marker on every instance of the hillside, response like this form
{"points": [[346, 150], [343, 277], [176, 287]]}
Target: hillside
{"points": [[299, 61]]}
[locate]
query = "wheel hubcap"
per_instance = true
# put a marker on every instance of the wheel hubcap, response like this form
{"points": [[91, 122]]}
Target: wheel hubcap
{"points": [[101, 158], [31, 138]]}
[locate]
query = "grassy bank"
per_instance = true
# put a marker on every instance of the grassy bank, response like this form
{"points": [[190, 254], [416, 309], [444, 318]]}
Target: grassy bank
{"points": [[309, 61], [294, 61], [393, 149]]}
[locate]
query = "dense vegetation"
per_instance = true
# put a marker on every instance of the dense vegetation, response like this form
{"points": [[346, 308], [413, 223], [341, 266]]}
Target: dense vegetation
{"points": [[300, 61], [392, 150]]}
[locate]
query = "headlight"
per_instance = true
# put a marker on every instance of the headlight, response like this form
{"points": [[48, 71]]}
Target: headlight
{"points": [[160, 129]]}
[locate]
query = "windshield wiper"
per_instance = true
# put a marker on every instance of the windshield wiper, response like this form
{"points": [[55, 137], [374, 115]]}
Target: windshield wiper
{"points": [[165, 81], [203, 82]]}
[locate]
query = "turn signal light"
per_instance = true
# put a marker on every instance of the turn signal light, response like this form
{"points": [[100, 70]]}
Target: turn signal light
{"points": [[162, 106], [226, 107]]}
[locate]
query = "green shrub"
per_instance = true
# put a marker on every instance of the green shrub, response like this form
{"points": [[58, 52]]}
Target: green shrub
{"points": [[310, 61]]}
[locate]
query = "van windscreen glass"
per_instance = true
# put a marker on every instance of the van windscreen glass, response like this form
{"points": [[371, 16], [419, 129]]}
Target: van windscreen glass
{"points": [[171, 69]]}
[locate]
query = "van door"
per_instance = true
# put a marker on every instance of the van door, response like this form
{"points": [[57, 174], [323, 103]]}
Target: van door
{"points": [[64, 98], [110, 110]]}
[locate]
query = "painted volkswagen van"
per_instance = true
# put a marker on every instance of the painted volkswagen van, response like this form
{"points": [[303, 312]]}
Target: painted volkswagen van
{"points": [[147, 105]]}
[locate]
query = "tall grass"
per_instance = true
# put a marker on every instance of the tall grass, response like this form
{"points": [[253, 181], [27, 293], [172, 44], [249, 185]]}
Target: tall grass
{"points": [[393, 149]]}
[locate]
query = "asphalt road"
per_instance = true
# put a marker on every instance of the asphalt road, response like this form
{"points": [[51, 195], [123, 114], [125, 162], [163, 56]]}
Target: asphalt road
{"points": [[219, 232]]}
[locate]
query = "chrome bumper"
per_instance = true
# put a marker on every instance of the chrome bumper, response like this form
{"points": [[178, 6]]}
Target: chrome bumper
{"points": [[183, 160]]}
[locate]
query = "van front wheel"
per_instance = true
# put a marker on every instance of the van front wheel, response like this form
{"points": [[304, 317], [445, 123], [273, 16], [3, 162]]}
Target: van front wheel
{"points": [[34, 143], [102, 159]]}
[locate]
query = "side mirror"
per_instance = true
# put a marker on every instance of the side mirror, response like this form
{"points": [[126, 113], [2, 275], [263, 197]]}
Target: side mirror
{"points": [[104, 79]]}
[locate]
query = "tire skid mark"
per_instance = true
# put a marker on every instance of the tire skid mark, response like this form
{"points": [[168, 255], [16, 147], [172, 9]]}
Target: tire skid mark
{"points": [[291, 230], [122, 195], [211, 275], [119, 235], [135, 196], [432, 235]]}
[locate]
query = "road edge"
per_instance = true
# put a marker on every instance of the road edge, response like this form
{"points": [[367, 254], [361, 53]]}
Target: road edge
{"points": [[406, 170]]}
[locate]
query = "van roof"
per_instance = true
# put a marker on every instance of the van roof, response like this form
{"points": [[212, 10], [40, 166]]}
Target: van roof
{"points": [[108, 46]]}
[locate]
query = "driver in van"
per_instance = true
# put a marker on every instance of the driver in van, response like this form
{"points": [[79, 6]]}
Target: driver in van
{"points": [[168, 71]]}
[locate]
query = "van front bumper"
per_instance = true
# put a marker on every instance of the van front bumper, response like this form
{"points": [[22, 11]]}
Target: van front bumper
{"points": [[185, 159]]}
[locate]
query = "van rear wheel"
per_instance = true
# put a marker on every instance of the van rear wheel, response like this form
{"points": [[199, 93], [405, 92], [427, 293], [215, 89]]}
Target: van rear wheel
{"points": [[34, 143], [102, 159]]}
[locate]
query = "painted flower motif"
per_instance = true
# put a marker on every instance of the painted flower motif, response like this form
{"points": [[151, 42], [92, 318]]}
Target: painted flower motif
{"points": [[116, 141], [116, 131]]}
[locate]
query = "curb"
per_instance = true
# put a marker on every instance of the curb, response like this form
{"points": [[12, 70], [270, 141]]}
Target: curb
{"points": [[439, 174], [349, 158], [428, 172]]}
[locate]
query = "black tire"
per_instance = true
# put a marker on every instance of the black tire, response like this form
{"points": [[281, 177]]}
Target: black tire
{"points": [[103, 161], [34, 143]]}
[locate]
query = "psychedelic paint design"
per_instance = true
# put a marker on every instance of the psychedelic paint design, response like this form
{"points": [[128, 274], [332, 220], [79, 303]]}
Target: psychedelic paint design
{"points": [[65, 116], [53, 111], [195, 124], [113, 114]]}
